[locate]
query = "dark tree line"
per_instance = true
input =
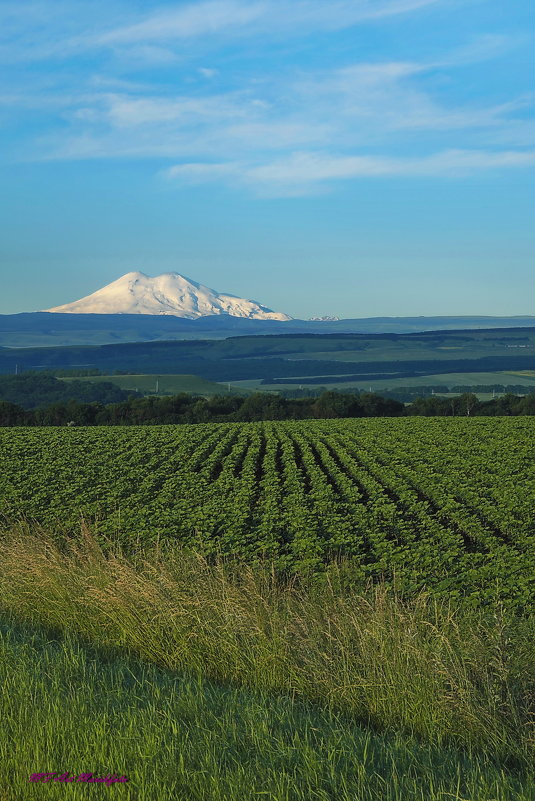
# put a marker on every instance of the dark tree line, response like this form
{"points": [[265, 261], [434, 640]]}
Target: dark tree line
{"points": [[186, 408], [468, 404], [32, 390]]}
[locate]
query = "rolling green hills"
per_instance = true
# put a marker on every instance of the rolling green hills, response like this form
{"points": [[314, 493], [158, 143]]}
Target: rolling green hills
{"points": [[347, 357]]}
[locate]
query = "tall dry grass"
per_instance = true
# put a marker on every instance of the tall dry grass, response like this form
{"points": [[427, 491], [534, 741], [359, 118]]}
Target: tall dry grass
{"points": [[422, 666]]}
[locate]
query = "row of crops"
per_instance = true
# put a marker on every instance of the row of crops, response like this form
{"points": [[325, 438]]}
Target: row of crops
{"points": [[443, 503]]}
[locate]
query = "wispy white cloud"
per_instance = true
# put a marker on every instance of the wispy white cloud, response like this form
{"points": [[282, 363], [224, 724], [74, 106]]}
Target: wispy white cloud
{"points": [[146, 54], [259, 127], [482, 48], [131, 112], [306, 173], [356, 106], [234, 16], [518, 133], [207, 72], [194, 20], [102, 82], [392, 96], [197, 172], [43, 30]]}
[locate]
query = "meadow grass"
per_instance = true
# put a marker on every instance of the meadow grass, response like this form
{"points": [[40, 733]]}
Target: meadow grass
{"points": [[421, 667], [67, 706]]}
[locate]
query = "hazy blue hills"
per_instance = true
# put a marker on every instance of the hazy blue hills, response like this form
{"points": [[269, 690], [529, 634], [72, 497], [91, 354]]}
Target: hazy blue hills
{"points": [[261, 357], [46, 328]]}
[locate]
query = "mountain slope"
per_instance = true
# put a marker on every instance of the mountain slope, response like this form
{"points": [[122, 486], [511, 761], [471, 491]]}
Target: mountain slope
{"points": [[166, 294]]}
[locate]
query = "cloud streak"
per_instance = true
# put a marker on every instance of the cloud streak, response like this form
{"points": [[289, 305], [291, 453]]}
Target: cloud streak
{"points": [[363, 105], [282, 127], [306, 173], [216, 17], [45, 31]]}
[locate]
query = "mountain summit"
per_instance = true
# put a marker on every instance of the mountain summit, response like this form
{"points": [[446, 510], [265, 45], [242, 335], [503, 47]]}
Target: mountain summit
{"points": [[169, 293]]}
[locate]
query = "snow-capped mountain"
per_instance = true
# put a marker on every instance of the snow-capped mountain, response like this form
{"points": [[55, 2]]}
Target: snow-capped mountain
{"points": [[169, 293]]}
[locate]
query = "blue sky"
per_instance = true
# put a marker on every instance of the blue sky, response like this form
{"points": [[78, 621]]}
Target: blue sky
{"points": [[351, 157]]}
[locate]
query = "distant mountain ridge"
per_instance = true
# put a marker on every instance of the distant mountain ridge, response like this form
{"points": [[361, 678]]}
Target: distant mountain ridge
{"points": [[167, 294], [34, 329]]}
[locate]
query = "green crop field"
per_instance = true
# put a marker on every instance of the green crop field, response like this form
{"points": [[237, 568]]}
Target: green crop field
{"points": [[328, 609], [446, 504]]}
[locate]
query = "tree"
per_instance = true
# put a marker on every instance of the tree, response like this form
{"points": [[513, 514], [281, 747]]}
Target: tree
{"points": [[11, 414], [335, 404], [373, 405], [261, 406]]}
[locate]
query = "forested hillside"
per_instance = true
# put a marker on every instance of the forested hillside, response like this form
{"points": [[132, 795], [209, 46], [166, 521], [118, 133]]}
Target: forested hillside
{"points": [[268, 358], [33, 390]]}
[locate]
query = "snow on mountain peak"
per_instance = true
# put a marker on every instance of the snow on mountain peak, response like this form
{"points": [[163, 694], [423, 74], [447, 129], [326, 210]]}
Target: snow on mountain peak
{"points": [[168, 293]]}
